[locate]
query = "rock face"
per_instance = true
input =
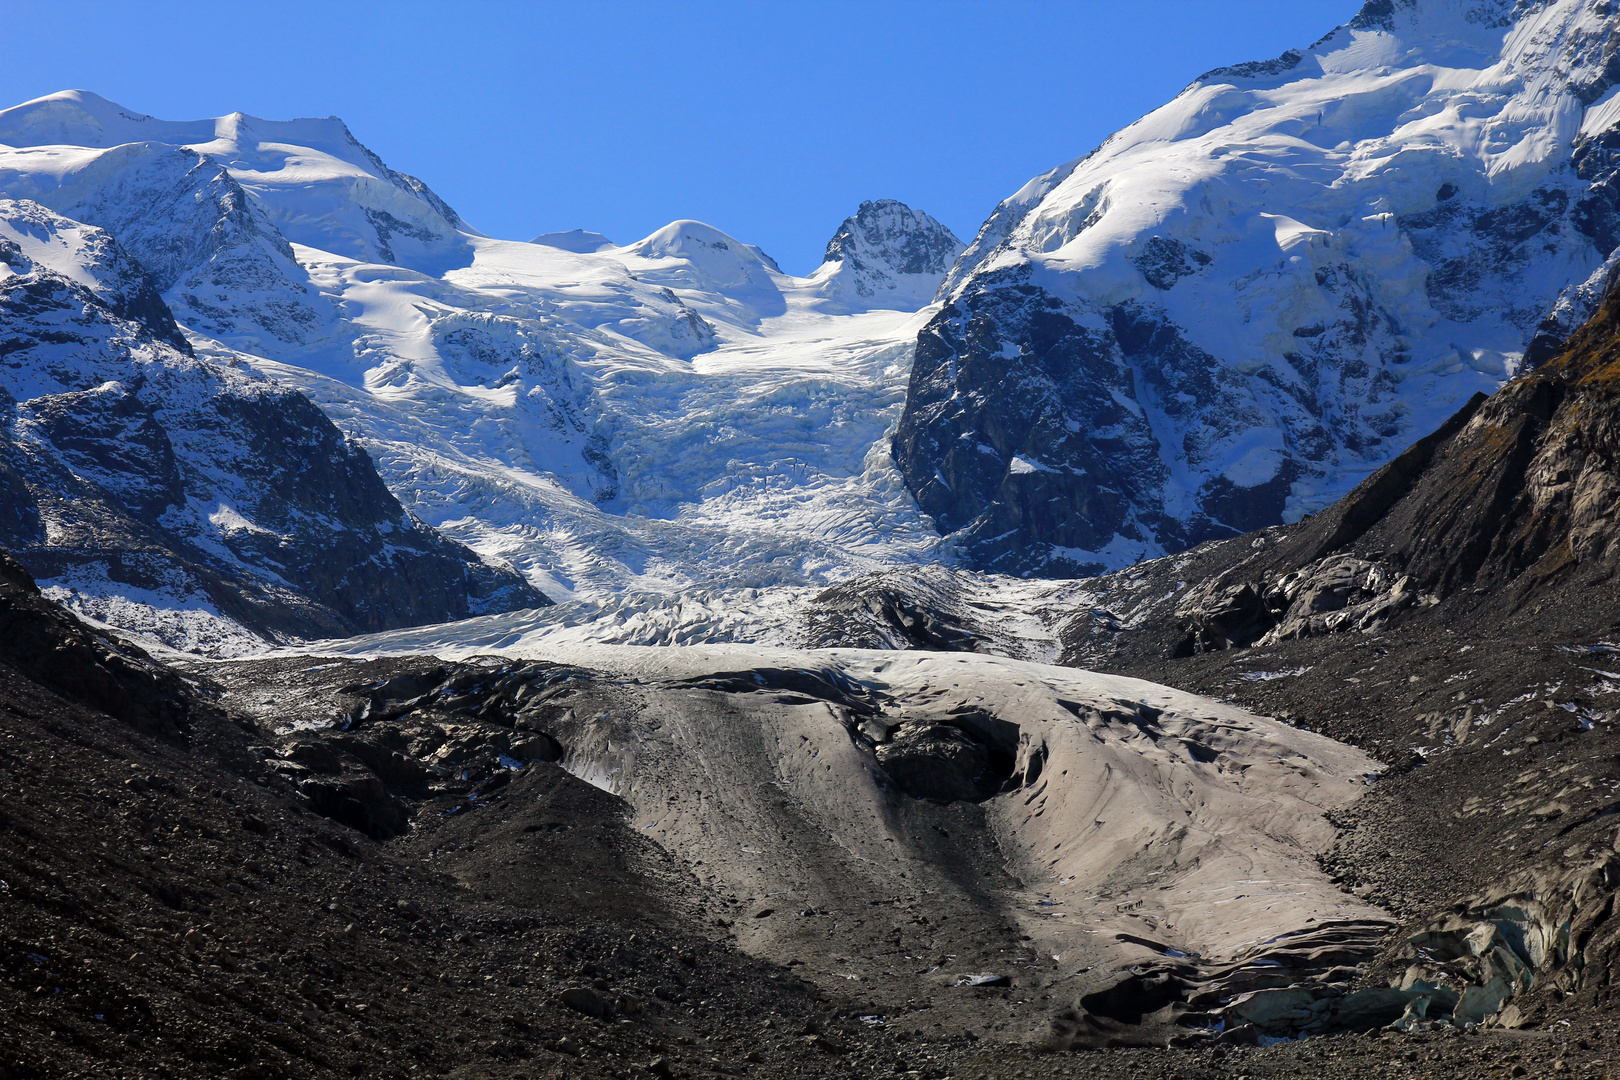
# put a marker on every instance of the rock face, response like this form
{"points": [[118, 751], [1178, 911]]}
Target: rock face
{"points": [[1335, 594], [1512, 508], [887, 255], [47, 645], [1236, 307], [213, 495]]}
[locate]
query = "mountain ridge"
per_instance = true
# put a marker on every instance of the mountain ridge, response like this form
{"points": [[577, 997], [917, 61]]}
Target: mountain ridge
{"points": [[554, 409]]}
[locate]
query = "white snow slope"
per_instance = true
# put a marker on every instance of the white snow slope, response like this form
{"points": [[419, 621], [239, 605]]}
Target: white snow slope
{"points": [[641, 428]]}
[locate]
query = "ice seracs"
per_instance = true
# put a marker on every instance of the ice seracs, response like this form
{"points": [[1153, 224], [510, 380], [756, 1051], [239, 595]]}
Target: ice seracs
{"points": [[632, 426]]}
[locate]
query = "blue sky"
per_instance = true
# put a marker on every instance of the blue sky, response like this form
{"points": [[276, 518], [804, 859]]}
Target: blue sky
{"points": [[771, 121]]}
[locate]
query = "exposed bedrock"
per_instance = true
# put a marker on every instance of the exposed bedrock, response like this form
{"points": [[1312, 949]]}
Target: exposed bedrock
{"points": [[1510, 507], [134, 472], [1026, 433]]}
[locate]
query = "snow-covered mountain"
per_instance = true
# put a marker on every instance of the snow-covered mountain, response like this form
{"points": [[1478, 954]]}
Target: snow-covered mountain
{"points": [[887, 255], [1238, 306], [580, 240], [637, 428], [1224, 317], [192, 500]]}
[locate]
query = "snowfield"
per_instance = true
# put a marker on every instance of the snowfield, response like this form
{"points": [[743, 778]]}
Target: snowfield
{"points": [[670, 422]]}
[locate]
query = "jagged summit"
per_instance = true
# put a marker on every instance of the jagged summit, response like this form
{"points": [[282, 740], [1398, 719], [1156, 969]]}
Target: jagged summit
{"points": [[887, 255], [889, 232]]}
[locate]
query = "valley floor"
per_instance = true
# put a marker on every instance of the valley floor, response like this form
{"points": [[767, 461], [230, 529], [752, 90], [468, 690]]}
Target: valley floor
{"points": [[638, 862], [172, 912]]}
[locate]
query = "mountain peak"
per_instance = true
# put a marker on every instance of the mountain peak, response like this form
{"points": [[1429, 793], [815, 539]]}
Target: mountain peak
{"points": [[582, 241], [311, 177], [887, 255], [908, 240], [73, 118], [688, 239], [716, 257]]}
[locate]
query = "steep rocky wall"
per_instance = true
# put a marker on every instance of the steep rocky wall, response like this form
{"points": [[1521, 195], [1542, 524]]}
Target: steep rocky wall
{"points": [[1234, 309], [134, 470]]}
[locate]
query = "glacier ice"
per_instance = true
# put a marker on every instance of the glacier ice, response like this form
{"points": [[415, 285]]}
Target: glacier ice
{"points": [[630, 426]]}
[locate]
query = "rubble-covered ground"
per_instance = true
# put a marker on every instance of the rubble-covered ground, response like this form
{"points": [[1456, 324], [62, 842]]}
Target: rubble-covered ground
{"points": [[173, 908]]}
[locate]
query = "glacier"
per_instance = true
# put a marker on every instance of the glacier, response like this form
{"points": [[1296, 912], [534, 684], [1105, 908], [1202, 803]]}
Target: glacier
{"points": [[661, 426]]}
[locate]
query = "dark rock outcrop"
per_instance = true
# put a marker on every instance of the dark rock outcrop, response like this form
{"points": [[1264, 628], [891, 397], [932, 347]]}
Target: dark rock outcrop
{"points": [[885, 236], [1024, 432], [1151, 346], [48, 646], [1512, 508], [131, 467], [1507, 515]]}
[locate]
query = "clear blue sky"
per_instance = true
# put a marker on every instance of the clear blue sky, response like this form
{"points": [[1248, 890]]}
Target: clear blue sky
{"points": [[771, 121]]}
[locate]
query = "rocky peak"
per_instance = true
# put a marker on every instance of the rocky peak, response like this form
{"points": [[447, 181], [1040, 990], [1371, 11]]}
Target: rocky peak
{"points": [[888, 255], [890, 234]]}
